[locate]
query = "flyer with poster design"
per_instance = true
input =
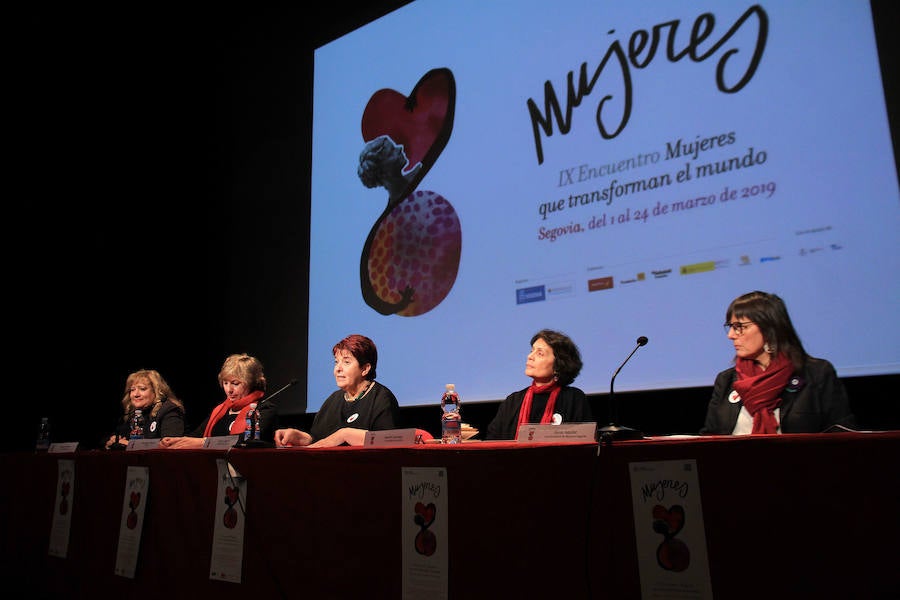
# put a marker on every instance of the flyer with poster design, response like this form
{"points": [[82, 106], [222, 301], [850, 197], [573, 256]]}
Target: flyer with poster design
{"points": [[228, 532], [137, 488], [424, 533], [62, 508], [669, 533]]}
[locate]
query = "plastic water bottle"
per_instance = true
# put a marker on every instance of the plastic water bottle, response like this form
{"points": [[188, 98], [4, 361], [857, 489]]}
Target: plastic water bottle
{"points": [[137, 425], [251, 430], [42, 443], [451, 421], [255, 410]]}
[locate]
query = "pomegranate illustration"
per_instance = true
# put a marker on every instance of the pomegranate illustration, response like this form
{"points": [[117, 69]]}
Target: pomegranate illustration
{"points": [[134, 500]]}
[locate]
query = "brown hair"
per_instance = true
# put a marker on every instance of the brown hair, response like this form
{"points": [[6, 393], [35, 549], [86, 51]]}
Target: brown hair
{"points": [[566, 357], [770, 314]]}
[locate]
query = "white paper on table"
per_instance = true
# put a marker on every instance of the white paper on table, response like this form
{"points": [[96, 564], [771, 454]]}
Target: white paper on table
{"points": [[228, 531], [137, 488], [62, 508], [669, 532], [424, 533]]}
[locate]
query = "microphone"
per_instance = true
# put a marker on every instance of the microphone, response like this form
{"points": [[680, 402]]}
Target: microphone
{"points": [[612, 431], [264, 443], [286, 386]]}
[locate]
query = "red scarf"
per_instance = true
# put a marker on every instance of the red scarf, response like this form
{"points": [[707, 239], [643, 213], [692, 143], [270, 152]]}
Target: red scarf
{"points": [[760, 390], [240, 421], [525, 410]]}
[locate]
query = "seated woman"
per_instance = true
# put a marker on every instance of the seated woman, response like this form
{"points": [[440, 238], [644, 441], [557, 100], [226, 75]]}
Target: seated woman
{"points": [[553, 364], [244, 382], [774, 385], [162, 411], [361, 404]]}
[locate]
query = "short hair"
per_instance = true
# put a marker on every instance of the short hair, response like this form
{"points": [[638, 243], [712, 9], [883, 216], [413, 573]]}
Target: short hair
{"points": [[770, 314], [363, 350], [566, 357], [245, 368]]}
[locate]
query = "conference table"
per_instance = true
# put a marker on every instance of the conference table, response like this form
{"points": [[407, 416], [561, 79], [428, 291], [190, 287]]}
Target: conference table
{"points": [[791, 516]]}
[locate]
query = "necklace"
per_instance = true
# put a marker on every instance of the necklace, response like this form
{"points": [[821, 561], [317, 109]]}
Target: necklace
{"points": [[360, 395]]}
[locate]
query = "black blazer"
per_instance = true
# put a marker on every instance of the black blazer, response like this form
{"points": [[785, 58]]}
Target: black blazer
{"points": [[571, 404], [813, 401], [168, 422]]}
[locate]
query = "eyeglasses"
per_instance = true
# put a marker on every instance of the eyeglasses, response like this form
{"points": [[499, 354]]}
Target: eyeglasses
{"points": [[737, 326]]}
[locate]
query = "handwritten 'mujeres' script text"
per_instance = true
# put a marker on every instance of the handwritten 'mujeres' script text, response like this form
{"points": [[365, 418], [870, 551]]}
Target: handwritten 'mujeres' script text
{"points": [[639, 56]]}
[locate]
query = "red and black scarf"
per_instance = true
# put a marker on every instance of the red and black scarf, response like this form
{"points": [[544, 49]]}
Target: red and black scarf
{"points": [[760, 390]]}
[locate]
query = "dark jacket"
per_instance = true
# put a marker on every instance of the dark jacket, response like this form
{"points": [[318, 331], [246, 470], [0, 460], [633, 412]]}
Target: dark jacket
{"points": [[169, 421], [571, 405], [813, 401]]}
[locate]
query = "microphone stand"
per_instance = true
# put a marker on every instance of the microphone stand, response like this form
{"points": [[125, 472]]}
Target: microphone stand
{"points": [[612, 432], [251, 443]]}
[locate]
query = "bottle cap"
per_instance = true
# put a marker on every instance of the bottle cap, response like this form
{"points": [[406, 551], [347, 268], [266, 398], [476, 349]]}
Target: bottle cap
{"points": [[451, 387]]}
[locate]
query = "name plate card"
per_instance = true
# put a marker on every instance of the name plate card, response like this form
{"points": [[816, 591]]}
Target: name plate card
{"points": [[221, 442], [143, 444], [62, 447], [557, 434], [390, 437]]}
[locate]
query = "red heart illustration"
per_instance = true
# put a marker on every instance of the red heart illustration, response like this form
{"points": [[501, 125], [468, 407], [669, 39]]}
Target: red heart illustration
{"points": [[673, 518], [135, 499], [427, 512], [421, 122], [232, 494]]}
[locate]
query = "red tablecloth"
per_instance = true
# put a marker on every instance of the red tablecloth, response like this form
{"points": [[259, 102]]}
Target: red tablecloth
{"points": [[785, 516]]}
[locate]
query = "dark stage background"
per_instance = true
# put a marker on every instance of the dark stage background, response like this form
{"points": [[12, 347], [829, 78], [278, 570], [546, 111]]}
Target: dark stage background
{"points": [[158, 207]]}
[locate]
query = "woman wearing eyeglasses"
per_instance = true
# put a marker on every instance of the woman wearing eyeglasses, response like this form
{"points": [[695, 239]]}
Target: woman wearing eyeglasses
{"points": [[774, 385]]}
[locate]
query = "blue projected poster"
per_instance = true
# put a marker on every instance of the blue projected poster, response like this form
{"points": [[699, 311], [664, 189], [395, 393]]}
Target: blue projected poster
{"points": [[611, 170]]}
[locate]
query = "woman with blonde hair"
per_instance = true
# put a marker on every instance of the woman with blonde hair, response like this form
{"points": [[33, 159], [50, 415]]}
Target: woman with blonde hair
{"points": [[162, 411], [244, 382]]}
